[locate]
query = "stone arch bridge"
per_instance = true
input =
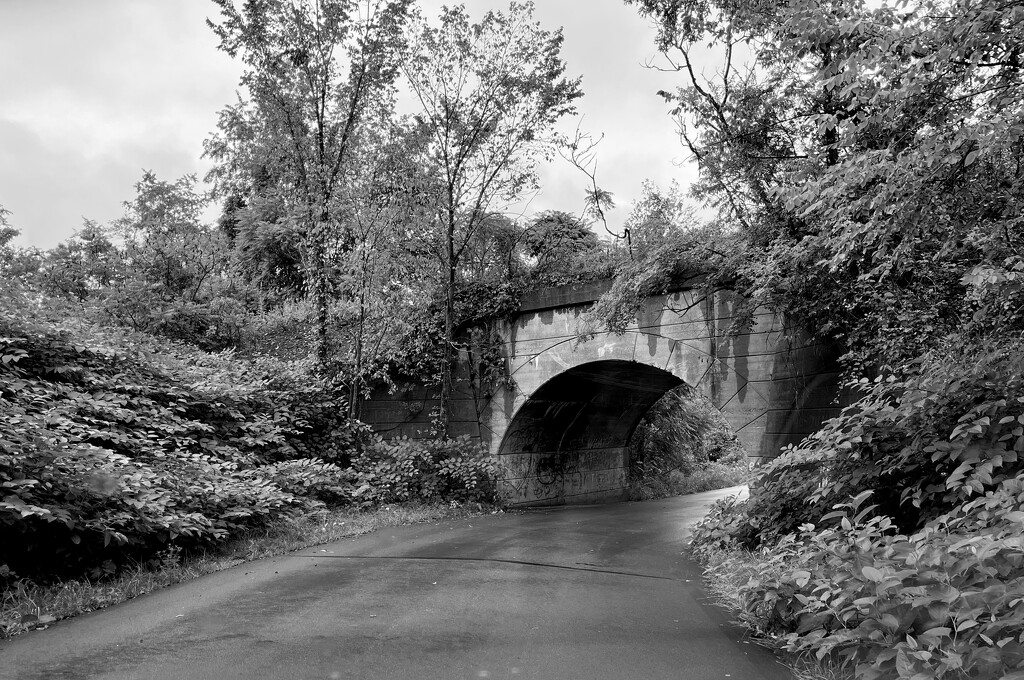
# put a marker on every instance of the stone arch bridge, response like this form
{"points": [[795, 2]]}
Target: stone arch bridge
{"points": [[561, 430]]}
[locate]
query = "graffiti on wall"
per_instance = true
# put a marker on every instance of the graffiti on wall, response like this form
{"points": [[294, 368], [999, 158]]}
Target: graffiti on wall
{"points": [[563, 476]]}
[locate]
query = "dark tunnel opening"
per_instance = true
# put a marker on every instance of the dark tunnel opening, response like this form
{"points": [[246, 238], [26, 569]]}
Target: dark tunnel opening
{"points": [[568, 443]]}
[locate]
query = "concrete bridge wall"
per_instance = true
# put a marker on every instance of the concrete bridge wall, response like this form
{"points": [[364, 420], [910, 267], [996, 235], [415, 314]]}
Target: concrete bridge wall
{"points": [[561, 431]]}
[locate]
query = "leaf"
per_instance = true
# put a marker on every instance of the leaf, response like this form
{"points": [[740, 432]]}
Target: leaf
{"points": [[1014, 675], [940, 631], [873, 574]]}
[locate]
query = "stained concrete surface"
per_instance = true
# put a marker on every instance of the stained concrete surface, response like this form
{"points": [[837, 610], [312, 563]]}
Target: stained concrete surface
{"points": [[588, 592]]}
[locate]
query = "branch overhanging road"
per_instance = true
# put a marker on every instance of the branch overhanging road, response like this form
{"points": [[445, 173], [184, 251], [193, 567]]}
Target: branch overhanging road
{"points": [[587, 592]]}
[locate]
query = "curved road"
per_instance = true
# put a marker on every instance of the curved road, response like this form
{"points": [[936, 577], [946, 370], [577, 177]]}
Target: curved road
{"points": [[586, 592]]}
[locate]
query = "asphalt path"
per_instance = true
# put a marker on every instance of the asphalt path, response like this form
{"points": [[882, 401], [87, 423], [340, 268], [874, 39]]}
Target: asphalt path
{"points": [[588, 592]]}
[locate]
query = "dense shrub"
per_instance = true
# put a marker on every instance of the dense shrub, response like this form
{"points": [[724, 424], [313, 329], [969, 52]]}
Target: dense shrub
{"points": [[405, 469], [112, 444], [683, 445], [311, 478], [726, 527], [942, 602], [928, 580], [924, 445], [677, 483]]}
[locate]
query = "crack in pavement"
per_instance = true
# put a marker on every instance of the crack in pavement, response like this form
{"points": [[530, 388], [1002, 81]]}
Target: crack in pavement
{"points": [[491, 559]]}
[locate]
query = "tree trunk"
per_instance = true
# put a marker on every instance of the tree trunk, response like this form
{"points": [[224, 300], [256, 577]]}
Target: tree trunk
{"points": [[321, 302], [447, 358], [357, 360]]}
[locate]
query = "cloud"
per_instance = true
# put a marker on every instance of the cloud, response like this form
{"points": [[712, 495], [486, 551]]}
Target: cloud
{"points": [[94, 92], [50, 189], [101, 91]]}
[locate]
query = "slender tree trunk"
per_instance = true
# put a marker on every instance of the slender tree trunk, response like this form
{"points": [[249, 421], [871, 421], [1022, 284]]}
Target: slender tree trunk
{"points": [[321, 301], [357, 362], [447, 354]]}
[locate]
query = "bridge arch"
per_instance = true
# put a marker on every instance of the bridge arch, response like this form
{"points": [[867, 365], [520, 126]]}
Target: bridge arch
{"points": [[772, 384], [567, 442], [576, 396]]}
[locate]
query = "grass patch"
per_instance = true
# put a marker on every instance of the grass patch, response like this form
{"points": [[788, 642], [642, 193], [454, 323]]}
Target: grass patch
{"points": [[824, 669], [709, 478], [25, 605]]}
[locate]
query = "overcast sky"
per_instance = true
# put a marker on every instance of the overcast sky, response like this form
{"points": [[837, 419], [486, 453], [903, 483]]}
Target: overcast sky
{"points": [[92, 93]]}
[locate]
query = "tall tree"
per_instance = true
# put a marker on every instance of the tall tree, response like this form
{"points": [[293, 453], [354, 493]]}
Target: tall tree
{"points": [[83, 264], [169, 267], [555, 240], [165, 242], [15, 263], [315, 70], [488, 96], [873, 155], [381, 276]]}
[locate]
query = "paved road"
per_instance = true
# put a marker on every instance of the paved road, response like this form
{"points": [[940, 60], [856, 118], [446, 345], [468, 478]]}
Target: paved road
{"points": [[594, 593]]}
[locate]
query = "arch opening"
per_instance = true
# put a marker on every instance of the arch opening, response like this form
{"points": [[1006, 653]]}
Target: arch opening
{"points": [[568, 443], [684, 444]]}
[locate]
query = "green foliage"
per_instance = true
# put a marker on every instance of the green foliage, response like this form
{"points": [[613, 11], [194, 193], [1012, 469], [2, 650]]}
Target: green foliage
{"points": [[725, 528], [404, 469], [562, 249], [927, 580], [668, 250], [941, 602], [924, 445], [870, 155], [996, 291], [319, 79], [266, 245], [709, 477], [312, 478], [157, 269], [682, 435], [682, 431], [683, 445], [112, 444]]}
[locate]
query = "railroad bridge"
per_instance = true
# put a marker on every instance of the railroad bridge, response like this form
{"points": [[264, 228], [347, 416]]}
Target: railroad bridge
{"points": [[560, 430]]}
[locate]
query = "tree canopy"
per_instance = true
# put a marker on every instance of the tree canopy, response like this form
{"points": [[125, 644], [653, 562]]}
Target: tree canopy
{"points": [[868, 156], [317, 72], [488, 95], [871, 153]]}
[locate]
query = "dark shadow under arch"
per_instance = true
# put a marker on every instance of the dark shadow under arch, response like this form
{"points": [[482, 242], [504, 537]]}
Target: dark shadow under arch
{"points": [[567, 442]]}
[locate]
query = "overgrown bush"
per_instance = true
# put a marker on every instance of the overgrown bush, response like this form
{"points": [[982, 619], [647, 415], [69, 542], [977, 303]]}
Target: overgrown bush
{"points": [[404, 469], [726, 527], [683, 445], [942, 602], [113, 444], [923, 444], [928, 580]]}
